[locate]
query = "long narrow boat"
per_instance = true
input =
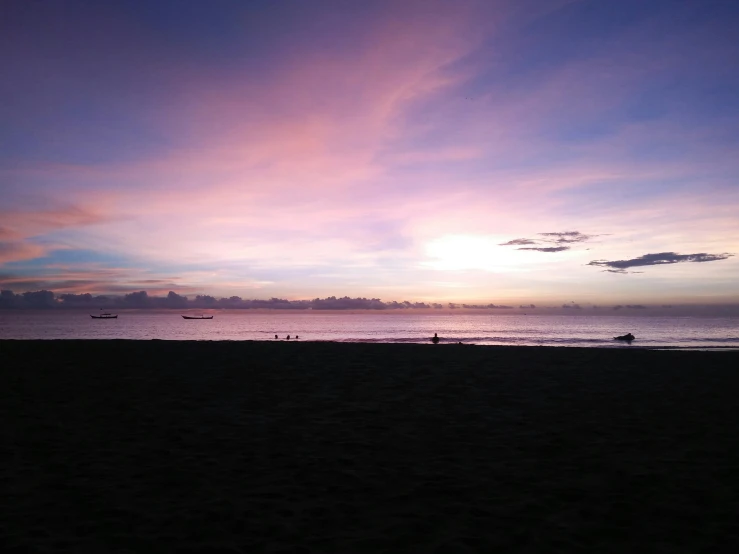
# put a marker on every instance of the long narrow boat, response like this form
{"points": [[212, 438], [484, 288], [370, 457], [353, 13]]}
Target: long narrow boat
{"points": [[197, 317], [104, 316]]}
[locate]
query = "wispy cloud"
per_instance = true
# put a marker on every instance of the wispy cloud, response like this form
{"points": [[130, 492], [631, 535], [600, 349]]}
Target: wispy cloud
{"points": [[11, 251], [518, 242], [567, 237], [21, 225], [547, 248], [29, 222], [561, 241], [7, 234]]}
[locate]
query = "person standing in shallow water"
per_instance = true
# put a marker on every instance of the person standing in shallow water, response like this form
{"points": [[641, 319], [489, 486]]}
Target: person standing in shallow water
{"points": [[435, 339]]}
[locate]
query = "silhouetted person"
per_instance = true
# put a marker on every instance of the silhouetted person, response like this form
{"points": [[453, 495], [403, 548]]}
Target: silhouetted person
{"points": [[275, 336], [296, 337], [288, 337], [435, 339]]}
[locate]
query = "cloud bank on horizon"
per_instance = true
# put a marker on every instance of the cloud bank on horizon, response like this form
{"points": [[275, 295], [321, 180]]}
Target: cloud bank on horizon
{"points": [[384, 149]]}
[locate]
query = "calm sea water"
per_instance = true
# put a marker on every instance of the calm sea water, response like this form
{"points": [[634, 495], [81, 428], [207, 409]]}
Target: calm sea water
{"points": [[524, 330]]}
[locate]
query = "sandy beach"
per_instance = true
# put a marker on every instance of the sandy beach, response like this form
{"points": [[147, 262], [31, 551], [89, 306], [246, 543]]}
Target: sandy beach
{"points": [[297, 447]]}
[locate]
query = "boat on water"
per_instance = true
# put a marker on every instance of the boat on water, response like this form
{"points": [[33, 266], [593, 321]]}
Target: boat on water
{"points": [[197, 317], [104, 316]]}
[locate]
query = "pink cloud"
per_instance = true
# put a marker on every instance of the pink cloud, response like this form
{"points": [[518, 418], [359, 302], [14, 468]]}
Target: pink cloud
{"points": [[22, 225], [8, 234], [96, 279], [18, 250], [29, 223]]}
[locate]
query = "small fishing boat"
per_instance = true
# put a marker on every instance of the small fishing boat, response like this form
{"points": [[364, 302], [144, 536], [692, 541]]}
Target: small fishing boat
{"points": [[197, 317], [104, 316]]}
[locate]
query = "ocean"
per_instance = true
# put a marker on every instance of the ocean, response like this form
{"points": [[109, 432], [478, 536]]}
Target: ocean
{"points": [[483, 329]]}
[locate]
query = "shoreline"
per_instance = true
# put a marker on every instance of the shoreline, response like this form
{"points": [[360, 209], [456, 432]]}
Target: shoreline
{"points": [[327, 447], [610, 347]]}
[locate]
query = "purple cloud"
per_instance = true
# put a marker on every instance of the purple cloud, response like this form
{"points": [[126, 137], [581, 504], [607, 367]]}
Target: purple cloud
{"points": [[547, 248], [518, 242], [560, 240], [567, 237], [661, 258]]}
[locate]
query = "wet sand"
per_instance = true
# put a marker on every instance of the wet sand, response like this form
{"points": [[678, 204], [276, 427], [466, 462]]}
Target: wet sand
{"points": [[297, 447]]}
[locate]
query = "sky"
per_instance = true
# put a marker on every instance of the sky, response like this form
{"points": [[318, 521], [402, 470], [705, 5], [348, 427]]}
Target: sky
{"points": [[514, 151]]}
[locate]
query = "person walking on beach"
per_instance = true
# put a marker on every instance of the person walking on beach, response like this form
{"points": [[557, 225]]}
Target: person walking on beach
{"points": [[435, 339]]}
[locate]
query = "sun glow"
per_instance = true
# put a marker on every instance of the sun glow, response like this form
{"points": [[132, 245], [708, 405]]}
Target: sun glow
{"points": [[474, 252]]}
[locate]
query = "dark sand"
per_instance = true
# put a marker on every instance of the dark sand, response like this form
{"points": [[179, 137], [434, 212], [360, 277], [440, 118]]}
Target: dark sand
{"points": [[117, 446]]}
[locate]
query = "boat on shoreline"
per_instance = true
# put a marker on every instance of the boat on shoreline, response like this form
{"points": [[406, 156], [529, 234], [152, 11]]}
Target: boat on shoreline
{"points": [[197, 317]]}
